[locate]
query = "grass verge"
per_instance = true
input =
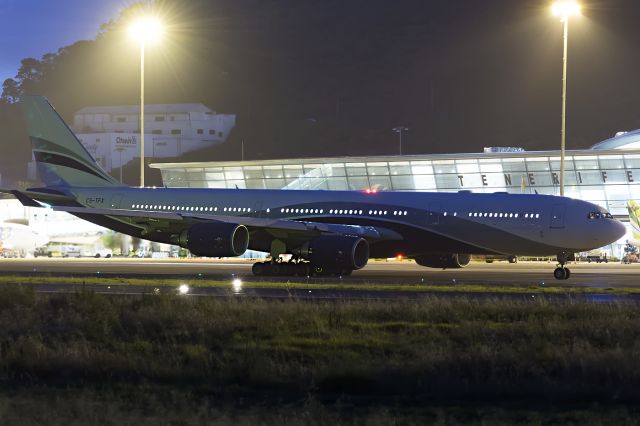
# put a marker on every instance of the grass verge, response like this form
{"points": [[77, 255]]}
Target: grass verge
{"points": [[423, 287], [377, 358]]}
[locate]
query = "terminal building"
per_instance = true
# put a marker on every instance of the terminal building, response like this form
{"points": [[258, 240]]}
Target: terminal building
{"points": [[608, 174]]}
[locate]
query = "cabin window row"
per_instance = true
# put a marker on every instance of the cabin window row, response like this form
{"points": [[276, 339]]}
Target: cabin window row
{"points": [[190, 208], [316, 211], [505, 215]]}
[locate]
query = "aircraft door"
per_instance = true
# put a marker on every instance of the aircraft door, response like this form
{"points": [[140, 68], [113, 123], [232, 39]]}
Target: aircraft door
{"points": [[257, 209], [433, 215], [557, 216], [116, 201]]}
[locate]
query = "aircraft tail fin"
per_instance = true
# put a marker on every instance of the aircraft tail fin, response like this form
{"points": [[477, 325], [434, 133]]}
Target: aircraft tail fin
{"points": [[61, 159]]}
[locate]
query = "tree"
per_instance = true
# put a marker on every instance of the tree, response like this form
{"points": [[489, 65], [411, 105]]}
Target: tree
{"points": [[10, 91]]}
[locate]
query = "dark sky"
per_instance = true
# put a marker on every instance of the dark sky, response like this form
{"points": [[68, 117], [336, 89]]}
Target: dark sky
{"points": [[334, 76]]}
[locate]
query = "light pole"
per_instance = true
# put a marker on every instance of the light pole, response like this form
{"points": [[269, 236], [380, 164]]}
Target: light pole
{"points": [[564, 9], [119, 150], [146, 30], [399, 130]]}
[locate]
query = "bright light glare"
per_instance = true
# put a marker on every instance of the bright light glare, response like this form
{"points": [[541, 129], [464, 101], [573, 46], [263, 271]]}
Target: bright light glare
{"points": [[146, 30], [237, 285], [183, 289], [565, 9]]}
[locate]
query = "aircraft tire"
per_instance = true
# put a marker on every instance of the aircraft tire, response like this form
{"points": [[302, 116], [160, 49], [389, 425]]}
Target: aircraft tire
{"points": [[560, 273], [567, 273], [275, 269], [258, 269]]}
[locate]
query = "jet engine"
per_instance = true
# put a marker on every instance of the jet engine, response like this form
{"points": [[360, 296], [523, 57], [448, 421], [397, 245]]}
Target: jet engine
{"points": [[336, 252], [447, 260], [215, 239]]}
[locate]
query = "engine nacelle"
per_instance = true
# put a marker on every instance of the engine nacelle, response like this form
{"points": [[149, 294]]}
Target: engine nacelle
{"points": [[447, 260], [336, 251], [215, 239]]}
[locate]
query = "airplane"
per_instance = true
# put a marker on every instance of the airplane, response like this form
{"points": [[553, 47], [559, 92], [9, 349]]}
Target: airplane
{"points": [[325, 232], [17, 238]]}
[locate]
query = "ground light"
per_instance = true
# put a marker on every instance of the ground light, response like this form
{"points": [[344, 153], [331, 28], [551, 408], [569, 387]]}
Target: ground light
{"points": [[183, 289], [237, 285]]}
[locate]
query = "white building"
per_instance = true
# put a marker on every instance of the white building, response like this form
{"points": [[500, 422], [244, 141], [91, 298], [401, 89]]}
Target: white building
{"points": [[111, 134]]}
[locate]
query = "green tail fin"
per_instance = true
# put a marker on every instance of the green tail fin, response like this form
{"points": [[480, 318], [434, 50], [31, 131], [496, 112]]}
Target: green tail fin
{"points": [[61, 159]]}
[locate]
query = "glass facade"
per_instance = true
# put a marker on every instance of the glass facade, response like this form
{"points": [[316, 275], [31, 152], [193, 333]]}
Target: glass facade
{"points": [[606, 178]]}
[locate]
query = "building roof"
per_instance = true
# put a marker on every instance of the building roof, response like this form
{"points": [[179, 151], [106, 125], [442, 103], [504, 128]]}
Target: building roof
{"points": [[622, 140], [148, 109], [393, 158]]}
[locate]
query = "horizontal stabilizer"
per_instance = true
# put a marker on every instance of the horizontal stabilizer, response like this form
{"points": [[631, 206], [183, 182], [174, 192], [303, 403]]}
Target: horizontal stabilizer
{"points": [[28, 197]]}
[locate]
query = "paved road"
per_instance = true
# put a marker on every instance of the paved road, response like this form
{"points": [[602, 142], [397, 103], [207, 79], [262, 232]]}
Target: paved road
{"points": [[500, 273]]}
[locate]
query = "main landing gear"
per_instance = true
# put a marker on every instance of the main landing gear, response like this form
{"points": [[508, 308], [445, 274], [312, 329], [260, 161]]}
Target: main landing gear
{"points": [[562, 273], [292, 269]]}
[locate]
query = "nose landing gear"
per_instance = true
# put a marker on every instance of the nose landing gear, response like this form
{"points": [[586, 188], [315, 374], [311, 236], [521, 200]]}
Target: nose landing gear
{"points": [[562, 273]]}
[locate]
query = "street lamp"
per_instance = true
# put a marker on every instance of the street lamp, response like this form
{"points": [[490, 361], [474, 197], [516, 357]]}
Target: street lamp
{"points": [[119, 150], [144, 31], [399, 130], [564, 9]]}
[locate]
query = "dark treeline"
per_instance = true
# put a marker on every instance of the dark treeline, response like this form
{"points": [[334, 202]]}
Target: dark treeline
{"points": [[334, 77]]}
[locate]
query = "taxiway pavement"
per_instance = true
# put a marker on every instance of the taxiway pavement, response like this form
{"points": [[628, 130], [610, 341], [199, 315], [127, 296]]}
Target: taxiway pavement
{"points": [[601, 275]]}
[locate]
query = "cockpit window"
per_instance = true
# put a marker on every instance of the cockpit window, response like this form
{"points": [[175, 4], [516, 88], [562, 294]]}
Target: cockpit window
{"points": [[598, 215]]}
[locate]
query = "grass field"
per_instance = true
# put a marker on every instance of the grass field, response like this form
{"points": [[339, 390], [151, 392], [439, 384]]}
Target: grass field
{"points": [[88, 358], [459, 286]]}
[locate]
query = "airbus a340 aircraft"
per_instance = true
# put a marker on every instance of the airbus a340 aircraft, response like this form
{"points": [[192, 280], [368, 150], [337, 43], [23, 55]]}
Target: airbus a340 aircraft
{"points": [[327, 232]]}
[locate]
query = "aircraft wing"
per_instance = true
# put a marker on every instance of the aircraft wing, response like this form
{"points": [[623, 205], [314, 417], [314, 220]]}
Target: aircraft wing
{"points": [[177, 222]]}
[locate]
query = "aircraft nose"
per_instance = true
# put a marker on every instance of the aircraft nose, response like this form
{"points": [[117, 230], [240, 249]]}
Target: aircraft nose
{"points": [[609, 233], [618, 230]]}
